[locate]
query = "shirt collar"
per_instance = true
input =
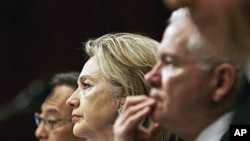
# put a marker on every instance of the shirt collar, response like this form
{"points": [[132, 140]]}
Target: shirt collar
{"points": [[215, 131]]}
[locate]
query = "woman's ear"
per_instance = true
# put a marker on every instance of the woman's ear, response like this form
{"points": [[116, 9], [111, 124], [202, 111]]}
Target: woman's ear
{"points": [[120, 105], [122, 101], [225, 78]]}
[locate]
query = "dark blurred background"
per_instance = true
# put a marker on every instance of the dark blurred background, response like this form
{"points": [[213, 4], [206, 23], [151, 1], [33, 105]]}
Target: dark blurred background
{"points": [[41, 37]]}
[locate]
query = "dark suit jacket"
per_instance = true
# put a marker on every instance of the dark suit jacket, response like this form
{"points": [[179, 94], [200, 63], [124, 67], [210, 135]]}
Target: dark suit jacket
{"points": [[242, 113]]}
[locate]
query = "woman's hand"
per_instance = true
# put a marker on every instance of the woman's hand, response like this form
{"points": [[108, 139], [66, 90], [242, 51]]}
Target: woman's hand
{"points": [[128, 125]]}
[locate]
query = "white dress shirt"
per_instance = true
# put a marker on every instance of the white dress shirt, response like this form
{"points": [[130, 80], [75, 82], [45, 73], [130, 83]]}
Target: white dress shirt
{"points": [[217, 129]]}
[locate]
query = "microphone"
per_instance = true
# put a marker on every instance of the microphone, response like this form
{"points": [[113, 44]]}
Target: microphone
{"points": [[27, 100]]}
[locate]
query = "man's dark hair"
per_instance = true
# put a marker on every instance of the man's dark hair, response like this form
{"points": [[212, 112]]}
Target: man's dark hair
{"points": [[68, 78]]}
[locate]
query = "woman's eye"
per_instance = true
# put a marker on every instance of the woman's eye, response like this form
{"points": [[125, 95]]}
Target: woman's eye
{"points": [[86, 85]]}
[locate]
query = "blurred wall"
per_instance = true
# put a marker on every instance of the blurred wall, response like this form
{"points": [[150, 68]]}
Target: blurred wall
{"points": [[41, 37]]}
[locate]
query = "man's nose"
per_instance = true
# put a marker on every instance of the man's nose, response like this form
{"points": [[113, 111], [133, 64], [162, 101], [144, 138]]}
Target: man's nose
{"points": [[41, 132], [153, 77]]}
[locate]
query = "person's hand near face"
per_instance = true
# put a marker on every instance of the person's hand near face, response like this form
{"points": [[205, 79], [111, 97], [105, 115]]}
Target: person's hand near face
{"points": [[114, 71], [189, 83], [128, 126]]}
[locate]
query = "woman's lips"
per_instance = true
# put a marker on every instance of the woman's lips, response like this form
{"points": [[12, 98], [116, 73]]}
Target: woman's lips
{"points": [[75, 118]]}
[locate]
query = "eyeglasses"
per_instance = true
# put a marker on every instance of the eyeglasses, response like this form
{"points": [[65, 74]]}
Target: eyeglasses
{"points": [[49, 124]]}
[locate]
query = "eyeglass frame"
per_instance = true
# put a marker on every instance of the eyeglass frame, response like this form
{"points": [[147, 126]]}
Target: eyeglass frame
{"points": [[49, 124]]}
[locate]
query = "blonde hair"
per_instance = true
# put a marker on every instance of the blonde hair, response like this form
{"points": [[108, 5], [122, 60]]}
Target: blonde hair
{"points": [[124, 58]]}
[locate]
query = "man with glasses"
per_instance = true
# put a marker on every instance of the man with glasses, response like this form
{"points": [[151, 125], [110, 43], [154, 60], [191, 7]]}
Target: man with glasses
{"points": [[54, 121]]}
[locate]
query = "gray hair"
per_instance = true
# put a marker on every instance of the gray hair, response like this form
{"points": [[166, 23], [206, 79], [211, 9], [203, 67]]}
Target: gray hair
{"points": [[201, 48]]}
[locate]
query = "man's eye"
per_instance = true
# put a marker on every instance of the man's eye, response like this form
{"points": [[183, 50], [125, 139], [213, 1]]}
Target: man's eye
{"points": [[168, 61], [52, 122]]}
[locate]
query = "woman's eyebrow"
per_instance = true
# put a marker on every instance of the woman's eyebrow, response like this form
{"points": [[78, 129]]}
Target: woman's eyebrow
{"points": [[83, 77]]}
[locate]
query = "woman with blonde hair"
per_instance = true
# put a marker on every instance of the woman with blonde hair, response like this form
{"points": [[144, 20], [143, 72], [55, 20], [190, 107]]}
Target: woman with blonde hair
{"points": [[115, 69]]}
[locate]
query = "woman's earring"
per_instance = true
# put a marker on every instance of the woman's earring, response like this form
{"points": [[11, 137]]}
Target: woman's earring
{"points": [[119, 110]]}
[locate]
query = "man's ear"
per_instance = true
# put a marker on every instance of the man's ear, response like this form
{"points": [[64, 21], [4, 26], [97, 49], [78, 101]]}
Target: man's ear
{"points": [[225, 78]]}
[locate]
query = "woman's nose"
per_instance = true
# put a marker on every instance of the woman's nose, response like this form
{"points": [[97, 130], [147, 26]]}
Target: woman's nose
{"points": [[73, 100]]}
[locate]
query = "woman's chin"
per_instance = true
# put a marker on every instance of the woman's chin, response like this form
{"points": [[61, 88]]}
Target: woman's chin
{"points": [[77, 130]]}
